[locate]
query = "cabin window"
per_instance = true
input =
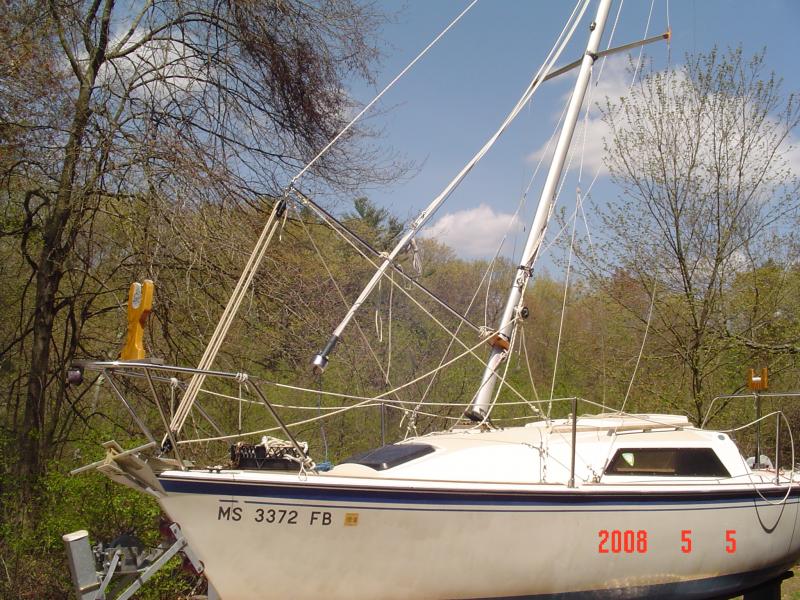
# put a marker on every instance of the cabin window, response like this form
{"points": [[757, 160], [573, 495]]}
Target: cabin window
{"points": [[676, 462], [390, 455]]}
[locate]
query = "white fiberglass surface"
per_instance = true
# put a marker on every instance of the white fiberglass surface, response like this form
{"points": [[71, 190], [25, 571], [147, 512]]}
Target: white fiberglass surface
{"points": [[538, 455]]}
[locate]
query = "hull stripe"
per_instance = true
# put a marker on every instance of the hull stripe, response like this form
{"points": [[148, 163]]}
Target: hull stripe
{"points": [[542, 508], [521, 499]]}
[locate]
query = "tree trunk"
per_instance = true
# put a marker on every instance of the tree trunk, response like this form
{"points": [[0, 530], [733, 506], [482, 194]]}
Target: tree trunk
{"points": [[49, 271]]}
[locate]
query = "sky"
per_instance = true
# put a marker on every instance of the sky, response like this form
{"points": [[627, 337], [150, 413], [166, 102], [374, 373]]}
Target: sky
{"points": [[444, 109]]}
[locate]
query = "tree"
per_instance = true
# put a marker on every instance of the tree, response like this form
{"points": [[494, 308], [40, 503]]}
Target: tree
{"points": [[182, 102], [700, 153], [367, 217]]}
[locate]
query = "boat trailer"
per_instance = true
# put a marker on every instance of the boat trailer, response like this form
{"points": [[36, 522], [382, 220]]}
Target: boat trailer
{"points": [[94, 567]]}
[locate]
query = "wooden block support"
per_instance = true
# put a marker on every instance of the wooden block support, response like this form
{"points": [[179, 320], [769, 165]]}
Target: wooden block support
{"points": [[140, 303], [498, 341]]}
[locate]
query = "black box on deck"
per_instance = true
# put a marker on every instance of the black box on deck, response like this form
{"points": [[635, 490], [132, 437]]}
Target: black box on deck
{"points": [[249, 456]]}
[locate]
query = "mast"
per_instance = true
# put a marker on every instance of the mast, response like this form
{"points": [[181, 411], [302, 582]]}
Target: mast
{"points": [[500, 342], [321, 359]]}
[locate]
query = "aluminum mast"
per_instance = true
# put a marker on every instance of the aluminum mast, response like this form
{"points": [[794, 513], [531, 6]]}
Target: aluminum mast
{"points": [[321, 359], [479, 408]]}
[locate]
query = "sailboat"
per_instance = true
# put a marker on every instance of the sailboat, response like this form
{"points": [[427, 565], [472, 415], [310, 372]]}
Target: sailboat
{"points": [[611, 505]]}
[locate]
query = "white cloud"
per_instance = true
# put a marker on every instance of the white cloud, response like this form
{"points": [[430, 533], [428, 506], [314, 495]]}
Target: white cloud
{"points": [[793, 154], [475, 232], [587, 142], [163, 70]]}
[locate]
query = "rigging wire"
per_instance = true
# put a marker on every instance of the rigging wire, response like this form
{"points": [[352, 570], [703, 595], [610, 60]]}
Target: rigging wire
{"points": [[385, 89], [555, 52], [749, 472], [489, 286], [348, 236], [321, 423], [610, 39], [563, 305], [430, 315], [641, 50], [486, 273], [423, 217], [375, 401], [226, 320], [259, 250], [389, 333], [530, 261], [520, 207], [502, 380], [598, 170], [241, 404], [669, 41], [579, 203], [638, 360], [521, 204], [366, 402], [447, 363], [372, 102], [528, 364], [344, 301], [641, 349]]}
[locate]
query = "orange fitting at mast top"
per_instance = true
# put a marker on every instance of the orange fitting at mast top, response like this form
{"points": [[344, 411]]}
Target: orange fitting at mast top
{"points": [[140, 303]]}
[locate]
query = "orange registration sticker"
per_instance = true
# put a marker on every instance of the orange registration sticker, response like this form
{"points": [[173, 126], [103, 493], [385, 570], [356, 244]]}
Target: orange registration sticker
{"points": [[350, 519]]}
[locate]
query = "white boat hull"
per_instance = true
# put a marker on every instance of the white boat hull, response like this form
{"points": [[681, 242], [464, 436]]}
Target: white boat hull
{"points": [[276, 536]]}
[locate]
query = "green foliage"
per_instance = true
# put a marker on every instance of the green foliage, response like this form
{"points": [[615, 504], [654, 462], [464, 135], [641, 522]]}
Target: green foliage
{"points": [[698, 343], [379, 224], [32, 551], [709, 201]]}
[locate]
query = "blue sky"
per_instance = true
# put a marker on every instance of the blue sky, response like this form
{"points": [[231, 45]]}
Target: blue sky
{"points": [[443, 110]]}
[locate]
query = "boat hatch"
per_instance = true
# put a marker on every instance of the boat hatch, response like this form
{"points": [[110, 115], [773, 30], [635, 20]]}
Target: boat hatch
{"points": [[657, 462], [390, 455]]}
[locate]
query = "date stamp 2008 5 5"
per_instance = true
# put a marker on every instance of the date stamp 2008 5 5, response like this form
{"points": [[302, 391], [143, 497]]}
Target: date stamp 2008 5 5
{"points": [[630, 541]]}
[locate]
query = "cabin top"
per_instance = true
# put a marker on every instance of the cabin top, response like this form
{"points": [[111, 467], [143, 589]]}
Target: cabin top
{"points": [[610, 449]]}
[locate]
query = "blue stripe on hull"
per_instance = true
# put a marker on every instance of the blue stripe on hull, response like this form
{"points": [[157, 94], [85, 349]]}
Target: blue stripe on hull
{"points": [[449, 497]]}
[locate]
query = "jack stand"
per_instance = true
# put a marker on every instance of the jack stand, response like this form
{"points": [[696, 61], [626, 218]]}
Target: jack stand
{"points": [[770, 590], [91, 584]]}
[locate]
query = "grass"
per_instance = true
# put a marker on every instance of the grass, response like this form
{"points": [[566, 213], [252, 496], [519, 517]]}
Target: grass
{"points": [[790, 590], [791, 587]]}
